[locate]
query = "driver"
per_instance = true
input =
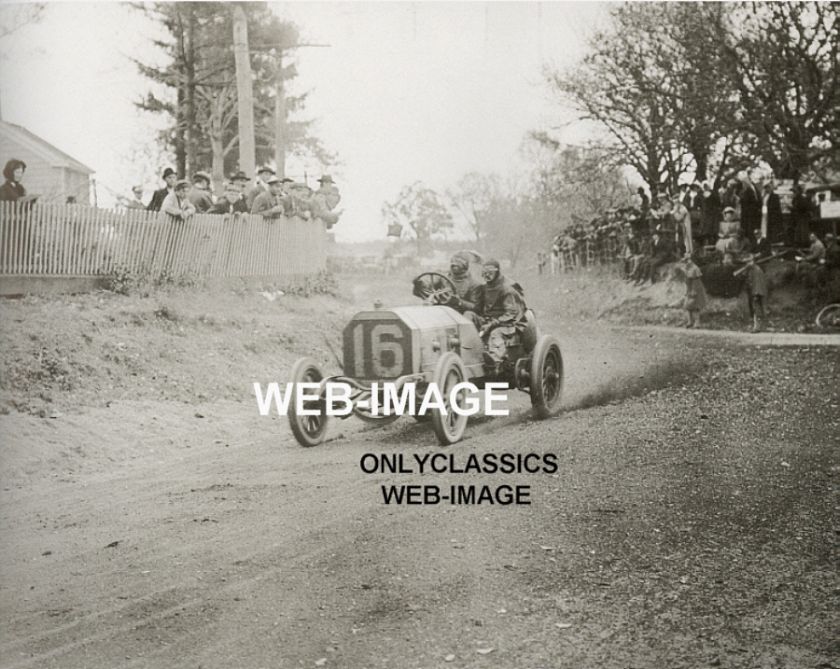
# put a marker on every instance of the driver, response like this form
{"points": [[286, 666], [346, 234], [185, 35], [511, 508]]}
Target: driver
{"points": [[499, 310], [467, 288]]}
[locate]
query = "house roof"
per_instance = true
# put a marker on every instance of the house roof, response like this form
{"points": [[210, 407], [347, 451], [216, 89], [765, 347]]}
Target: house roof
{"points": [[54, 156]]}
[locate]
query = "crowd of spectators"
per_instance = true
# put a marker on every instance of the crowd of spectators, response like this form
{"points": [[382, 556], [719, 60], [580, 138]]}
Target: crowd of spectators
{"points": [[724, 225], [270, 196]]}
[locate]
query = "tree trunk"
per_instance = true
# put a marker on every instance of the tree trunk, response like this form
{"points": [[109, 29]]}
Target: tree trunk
{"points": [[245, 92], [189, 93]]}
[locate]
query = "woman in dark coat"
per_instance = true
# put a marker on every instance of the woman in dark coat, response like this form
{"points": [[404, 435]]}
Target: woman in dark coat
{"points": [[12, 190]]}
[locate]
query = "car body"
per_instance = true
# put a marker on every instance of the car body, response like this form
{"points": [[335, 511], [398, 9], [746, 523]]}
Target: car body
{"points": [[424, 344]]}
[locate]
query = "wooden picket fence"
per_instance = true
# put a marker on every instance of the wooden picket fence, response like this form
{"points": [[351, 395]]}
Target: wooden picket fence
{"points": [[79, 241]]}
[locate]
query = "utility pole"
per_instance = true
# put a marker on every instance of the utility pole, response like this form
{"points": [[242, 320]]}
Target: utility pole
{"points": [[244, 92], [280, 120]]}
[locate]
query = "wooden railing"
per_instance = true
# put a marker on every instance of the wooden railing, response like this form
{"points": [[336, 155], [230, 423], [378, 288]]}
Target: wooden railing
{"points": [[73, 240]]}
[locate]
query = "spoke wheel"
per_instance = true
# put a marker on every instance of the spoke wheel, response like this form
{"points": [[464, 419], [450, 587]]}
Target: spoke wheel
{"points": [[829, 317], [449, 372], [308, 430], [546, 377]]}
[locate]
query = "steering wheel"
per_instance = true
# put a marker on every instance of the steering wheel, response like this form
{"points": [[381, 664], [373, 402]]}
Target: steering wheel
{"points": [[434, 287]]}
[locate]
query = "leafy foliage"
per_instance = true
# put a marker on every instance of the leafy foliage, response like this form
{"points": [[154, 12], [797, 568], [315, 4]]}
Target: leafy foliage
{"points": [[199, 85]]}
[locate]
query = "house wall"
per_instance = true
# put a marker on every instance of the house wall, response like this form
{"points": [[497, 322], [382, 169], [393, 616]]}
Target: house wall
{"points": [[43, 179]]}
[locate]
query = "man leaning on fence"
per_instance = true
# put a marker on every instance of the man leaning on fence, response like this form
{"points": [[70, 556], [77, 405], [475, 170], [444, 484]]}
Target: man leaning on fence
{"points": [[177, 205], [271, 204]]}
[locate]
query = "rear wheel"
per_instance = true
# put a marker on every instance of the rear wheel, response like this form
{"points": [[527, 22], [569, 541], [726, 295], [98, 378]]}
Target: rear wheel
{"points": [[546, 377], [308, 430], [449, 428]]}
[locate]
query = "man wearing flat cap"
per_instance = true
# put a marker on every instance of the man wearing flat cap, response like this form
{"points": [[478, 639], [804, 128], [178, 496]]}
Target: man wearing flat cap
{"points": [[199, 194], [271, 204], [260, 185], [177, 205], [159, 196]]}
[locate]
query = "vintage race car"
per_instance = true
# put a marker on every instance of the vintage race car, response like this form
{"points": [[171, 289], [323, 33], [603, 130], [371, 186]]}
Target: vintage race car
{"points": [[423, 344]]}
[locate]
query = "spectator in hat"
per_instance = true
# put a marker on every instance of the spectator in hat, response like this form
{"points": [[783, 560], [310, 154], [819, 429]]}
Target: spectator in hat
{"points": [[729, 232], [260, 185], [271, 204], [177, 205], [231, 201], [169, 177], [199, 194], [324, 200], [12, 189], [136, 201]]}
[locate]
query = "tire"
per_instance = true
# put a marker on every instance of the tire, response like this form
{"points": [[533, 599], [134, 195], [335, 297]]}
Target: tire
{"points": [[546, 377], [829, 317], [308, 430], [449, 371]]}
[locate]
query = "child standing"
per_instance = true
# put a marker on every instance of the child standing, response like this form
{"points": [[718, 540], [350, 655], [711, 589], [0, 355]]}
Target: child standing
{"points": [[695, 293], [756, 292]]}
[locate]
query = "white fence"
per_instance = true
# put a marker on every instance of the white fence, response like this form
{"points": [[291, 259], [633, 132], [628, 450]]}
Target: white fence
{"points": [[79, 241]]}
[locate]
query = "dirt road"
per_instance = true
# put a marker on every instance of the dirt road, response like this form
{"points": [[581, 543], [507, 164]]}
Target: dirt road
{"points": [[693, 521]]}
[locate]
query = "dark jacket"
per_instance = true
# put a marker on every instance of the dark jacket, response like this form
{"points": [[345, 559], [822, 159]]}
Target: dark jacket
{"points": [[225, 207], [200, 199], [750, 209], [468, 290], [500, 301], [157, 199], [774, 215], [11, 191], [711, 215]]}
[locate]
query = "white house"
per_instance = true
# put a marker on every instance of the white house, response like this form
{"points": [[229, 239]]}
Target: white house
{"points": [[50, 173]]}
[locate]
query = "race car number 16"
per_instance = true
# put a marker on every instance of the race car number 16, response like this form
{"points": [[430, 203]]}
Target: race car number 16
{"points": [[378, 349]]}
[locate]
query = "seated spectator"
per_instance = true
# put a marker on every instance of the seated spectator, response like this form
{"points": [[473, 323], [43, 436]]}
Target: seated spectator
{"points": [[761, 246], [729, 232], [632, 255], [662, 252], [816, 251]]}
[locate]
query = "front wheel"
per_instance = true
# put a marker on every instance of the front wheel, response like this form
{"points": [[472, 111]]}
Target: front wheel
{"points": [[546, 377], [309, 430], [449, 372]]}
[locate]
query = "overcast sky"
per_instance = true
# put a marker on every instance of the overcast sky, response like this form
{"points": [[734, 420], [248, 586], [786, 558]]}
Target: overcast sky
{"points": [[404, 92]]}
